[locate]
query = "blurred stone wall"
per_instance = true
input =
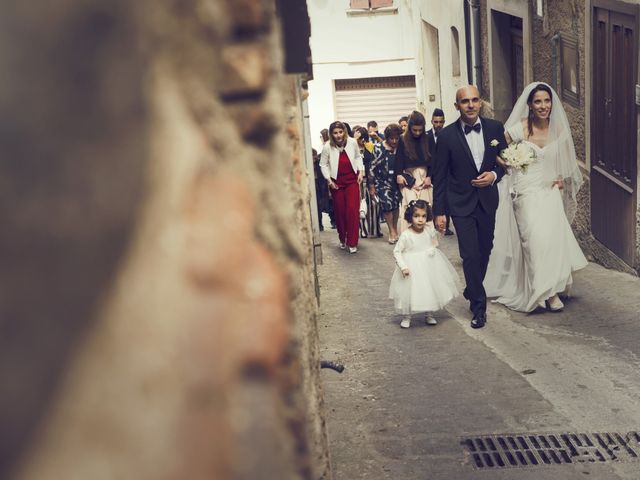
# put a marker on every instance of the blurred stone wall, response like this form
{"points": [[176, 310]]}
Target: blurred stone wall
{"points": [[158, 311]]}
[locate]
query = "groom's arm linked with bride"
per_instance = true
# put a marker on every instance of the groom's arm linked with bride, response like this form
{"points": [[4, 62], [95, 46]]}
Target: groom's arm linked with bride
{"points": [[465, 179]]}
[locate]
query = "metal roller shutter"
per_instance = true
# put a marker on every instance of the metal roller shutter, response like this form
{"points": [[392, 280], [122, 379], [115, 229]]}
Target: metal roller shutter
{"points": [[383, 99]]}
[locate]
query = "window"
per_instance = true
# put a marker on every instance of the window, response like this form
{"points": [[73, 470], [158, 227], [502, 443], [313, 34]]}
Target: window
{"points": [[455, 52], [539, 8], [569, 70], [381, 3], [371, 3]]}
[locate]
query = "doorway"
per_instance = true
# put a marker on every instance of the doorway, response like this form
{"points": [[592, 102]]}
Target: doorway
{"points": [[613, 136], [507, 62], [432, 86]]}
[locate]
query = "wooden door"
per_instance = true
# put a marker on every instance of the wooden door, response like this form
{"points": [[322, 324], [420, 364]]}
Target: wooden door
{"points": [[613, 132]]}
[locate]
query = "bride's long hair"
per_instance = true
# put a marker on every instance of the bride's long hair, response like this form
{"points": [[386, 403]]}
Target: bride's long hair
{"points": [[541, 87]]}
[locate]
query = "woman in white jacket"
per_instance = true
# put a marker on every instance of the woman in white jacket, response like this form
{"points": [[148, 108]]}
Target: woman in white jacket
{"points": [[342, 166]]}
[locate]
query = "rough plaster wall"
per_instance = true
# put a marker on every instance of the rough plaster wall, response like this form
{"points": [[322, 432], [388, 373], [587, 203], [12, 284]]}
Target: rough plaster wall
{"points": [[158, 297]]}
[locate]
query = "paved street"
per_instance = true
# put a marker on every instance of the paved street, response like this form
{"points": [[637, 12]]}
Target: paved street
{"points": [[408, 398]]}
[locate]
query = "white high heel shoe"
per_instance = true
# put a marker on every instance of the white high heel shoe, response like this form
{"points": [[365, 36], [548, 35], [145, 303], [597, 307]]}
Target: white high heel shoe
{"points": [[566, 294], [555, 304]]}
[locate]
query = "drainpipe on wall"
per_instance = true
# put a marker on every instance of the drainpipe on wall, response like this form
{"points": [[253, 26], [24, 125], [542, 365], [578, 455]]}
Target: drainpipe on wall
{"points": [[554, 61], [467, 37], [477, 61]]}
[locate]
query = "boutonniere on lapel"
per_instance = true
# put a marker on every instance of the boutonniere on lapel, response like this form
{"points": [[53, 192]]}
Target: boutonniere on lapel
{"points": [[494, 143]]}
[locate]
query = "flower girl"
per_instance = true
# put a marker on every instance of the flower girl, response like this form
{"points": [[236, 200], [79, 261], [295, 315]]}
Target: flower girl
{"points": [[424, 280]]}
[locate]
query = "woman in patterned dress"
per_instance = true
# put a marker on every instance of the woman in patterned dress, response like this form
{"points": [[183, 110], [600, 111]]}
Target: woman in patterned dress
{"points": [[382, 179]]}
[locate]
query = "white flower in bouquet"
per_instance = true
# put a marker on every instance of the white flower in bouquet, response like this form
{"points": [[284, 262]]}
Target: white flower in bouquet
{"points": [[518, 156]]}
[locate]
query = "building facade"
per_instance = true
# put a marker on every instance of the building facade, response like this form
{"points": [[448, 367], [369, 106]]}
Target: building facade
{"points": [[441, 55], [380, 59], [363, 62]]}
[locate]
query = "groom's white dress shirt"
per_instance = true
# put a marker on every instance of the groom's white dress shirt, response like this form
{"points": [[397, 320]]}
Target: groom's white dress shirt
{"points": [[475, 140]]}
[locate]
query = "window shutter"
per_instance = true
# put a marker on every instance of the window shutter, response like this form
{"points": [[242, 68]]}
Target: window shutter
{"points": [[381, 3], [359, 3], [384, 99]]}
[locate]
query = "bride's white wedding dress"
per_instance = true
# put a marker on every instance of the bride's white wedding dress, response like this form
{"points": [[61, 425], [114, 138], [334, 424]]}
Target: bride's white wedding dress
{"points": [[534, 230]]}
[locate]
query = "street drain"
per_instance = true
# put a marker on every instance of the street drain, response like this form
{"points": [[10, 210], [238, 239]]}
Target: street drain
{"points": [[536, 450]]}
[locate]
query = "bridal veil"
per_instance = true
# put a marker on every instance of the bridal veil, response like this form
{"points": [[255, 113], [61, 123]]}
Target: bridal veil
{"points": [[506, 256]]}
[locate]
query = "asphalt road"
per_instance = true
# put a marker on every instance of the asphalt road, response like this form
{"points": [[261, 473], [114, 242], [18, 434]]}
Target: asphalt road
{"points": [[408, 399]]}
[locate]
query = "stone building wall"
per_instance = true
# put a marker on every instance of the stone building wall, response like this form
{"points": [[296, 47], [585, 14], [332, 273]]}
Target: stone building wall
{"points": [[158, 309], [566, 17]]}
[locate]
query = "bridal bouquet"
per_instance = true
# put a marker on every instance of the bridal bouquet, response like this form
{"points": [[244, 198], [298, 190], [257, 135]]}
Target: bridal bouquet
{"points": [[519, 156]]}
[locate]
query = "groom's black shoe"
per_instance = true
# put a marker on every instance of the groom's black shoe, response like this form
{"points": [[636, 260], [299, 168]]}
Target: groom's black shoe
{"points": [[479, 320]]}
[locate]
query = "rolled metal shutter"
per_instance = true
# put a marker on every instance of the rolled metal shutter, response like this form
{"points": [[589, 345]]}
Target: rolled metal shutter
{"points": [[383, 99]]}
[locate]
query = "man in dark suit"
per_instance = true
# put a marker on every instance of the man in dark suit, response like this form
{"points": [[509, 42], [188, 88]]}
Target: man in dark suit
{"points": [[465, 178], [437, 124]]}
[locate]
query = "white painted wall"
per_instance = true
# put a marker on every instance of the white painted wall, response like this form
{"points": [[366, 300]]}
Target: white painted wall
{"points": [[441, 16], [377, 45], [355, 46]]}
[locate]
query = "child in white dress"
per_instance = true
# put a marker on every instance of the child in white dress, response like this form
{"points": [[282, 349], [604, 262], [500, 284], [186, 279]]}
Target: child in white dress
{"points": [[424, 280]]}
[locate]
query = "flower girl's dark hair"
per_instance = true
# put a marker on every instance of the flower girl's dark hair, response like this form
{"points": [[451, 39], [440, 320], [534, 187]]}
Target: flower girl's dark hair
{"points": [[422, 205]]}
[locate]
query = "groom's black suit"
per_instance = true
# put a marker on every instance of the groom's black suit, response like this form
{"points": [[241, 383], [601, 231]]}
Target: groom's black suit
{"points": [[472, 209]]}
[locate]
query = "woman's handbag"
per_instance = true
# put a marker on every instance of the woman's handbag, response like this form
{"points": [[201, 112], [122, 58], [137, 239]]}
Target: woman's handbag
{"points": [[410, 179], [363, 208]]}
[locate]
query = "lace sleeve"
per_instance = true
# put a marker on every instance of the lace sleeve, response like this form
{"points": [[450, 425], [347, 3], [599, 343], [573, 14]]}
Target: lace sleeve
{"points": [[433, 235], [516, 132], [400, 247]]}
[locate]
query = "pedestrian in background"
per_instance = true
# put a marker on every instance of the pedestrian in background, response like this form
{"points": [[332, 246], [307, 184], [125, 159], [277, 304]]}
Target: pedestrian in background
{"points": [[374, 135], [324, 135], [382, 179], [413, 164], [370, 222], [403, 122], [437, 124], [342, 167], [424, 281], [322, 189]]}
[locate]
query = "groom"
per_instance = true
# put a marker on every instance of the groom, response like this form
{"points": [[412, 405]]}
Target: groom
{"points": [[466, 175]]}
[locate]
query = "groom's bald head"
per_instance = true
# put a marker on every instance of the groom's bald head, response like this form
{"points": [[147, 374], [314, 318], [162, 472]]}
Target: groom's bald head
{"points": [[468, 103], [467, 90]]}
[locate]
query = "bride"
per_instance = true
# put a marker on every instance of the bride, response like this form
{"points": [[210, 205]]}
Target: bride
{"points": [[535, 251]]}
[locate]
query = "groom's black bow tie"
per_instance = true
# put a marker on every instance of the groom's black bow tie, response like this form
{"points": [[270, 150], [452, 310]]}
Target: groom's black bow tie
{"points": [[467, 128]]}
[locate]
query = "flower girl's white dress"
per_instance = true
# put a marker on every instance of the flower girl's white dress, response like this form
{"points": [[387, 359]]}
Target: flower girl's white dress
{"points": [[432, 282]]}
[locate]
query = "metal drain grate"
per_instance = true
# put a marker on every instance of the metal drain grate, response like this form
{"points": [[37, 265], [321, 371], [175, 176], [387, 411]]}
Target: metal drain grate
{"points": [[534, 450]]}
